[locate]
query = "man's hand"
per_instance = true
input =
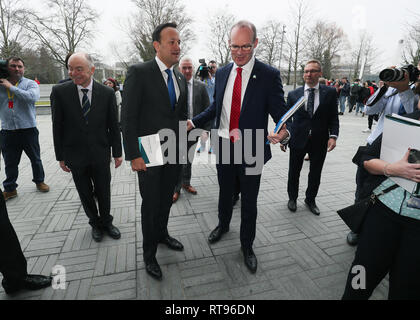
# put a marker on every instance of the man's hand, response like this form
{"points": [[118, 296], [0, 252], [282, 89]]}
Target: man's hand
{"points": [[138, 165], [401, 86], [118, 162], [283, 147], [275, 138], [189, 125], [331, 144], [5, 83], [64, 167], [403, 168]]}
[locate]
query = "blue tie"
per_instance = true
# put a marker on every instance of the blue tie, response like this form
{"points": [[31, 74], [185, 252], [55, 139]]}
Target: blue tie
{"points": [[311, 102], [401, 111], [171, 88], [85, 104]]}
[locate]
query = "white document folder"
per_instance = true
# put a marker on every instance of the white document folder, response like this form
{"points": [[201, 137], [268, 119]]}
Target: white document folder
{"points": [[150, 150]]}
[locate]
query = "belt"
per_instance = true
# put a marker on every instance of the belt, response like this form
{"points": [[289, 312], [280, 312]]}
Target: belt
{"points": [[19, 130]]}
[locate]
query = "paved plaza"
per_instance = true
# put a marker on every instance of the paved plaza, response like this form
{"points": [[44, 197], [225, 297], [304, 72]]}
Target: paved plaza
{"points": [[300, 255]]}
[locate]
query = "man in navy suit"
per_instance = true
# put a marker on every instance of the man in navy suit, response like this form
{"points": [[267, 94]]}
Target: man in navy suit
{"points": [[246, 92], [313, 130]]}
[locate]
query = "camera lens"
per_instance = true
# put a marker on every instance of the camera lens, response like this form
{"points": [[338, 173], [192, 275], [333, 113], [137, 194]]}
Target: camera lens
{"points": [[391, 75]]}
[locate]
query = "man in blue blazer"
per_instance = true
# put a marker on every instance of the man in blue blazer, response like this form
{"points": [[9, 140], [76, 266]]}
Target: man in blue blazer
{"points": [[246, 92], [313, 130]]}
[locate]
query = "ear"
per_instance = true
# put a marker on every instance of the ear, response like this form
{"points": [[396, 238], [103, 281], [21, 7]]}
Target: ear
{"points": [[255, 43], [156, 45]]}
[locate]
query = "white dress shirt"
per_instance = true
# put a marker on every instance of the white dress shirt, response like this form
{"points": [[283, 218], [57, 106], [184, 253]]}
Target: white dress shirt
{"points": [[316, 101], [227, 99], [89, 93], [162, 68]]}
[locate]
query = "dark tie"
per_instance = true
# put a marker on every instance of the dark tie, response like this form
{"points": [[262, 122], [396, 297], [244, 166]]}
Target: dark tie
{"points": [[311, 102], [235, 110], [171, 88], [85, 104], [401, 111]]}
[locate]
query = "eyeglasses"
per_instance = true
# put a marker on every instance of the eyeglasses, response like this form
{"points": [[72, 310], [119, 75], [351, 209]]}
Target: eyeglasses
{"points": [[311, 71], [245, 47], [212, 67]]}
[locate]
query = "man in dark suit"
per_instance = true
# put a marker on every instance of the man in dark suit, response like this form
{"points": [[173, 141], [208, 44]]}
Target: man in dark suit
{"points": [[313, 130], [85, 128], [246, 92], [155, 98], [198, 101]]}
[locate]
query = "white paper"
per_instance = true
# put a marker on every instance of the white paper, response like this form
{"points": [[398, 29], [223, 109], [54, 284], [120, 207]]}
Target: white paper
{"points": [[152, 148]]}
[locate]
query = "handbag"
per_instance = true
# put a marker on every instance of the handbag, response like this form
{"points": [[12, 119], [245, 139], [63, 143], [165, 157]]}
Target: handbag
{"points": [[354, 215]]}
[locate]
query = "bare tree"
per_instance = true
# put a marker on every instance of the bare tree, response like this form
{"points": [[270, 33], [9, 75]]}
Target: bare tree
{"points": [[363, 52], [411, 51], [220, 25], [270, 42], [326, 41], [11, 31], [66, 25], [298, 40], [150, 14]]}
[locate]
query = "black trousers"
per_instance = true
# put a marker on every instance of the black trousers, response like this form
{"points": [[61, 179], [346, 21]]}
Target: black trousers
{"points": [[387, 243], [232, 177], [12, 261], [94, 180], [317, 154], [156, 189]]}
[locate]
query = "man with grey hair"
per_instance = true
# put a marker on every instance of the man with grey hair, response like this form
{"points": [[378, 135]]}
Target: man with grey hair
{"points": [[246, 92], [85, 128], [198, 101]]}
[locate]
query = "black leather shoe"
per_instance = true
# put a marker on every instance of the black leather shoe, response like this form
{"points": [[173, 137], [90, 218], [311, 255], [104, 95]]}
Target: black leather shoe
{"points": [[292, 205], [154, 270], [112, 231], [312, 206], [97, 234], [216, 234], [172, 243], [352, 238], [30, 282], [250, 259]]}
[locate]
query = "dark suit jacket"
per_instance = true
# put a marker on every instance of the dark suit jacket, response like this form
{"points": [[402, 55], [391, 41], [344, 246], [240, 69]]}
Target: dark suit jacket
{"points": [[324, 122], [146, 107], [264, 95], [75, 142], [200, 100]]}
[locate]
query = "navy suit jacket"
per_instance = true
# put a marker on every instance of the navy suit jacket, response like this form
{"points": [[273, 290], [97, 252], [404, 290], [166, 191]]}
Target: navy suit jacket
{"points": [[323, 124], [263, 96]]}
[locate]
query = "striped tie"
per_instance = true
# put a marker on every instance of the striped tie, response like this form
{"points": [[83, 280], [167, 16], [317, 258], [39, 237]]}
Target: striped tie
{"points": [[85, 104]]}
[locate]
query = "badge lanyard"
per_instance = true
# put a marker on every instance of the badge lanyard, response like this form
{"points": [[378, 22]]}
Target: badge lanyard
{"points": [[11, 96]]}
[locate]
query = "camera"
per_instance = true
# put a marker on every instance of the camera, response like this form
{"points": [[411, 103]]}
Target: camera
{"points": [[398, 74], [414, 156], [203, 70], [4, 71]]}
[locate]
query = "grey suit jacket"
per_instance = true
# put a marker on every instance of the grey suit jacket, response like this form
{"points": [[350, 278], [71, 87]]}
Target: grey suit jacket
{"points": [[200, 100], [146, 107]]}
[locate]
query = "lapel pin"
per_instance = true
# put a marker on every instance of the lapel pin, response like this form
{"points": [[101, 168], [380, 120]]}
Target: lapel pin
{"points": [[254, 77]]}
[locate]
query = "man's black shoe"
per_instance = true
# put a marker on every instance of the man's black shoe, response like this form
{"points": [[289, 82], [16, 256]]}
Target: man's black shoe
{"points": [[112, 231], [172, 243], [235, 199], [250, 259], [312, 206], [30, 282], [352, 238], [153, 269], [216, 234], [97, 234], [292, 205]]}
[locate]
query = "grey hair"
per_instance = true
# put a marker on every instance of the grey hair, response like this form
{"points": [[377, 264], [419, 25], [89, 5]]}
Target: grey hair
{"points": [[183, 59], [245, 24], [316, 62], [87, 56]]}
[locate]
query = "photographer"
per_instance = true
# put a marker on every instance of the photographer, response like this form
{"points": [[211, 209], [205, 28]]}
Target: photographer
{"points": [[19, 133], [389, 240]]}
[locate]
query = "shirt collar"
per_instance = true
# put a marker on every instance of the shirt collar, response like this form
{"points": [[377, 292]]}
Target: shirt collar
{"points": [[163, 66], [89, 87], [190, 81], [248, 67], [316, 87]]}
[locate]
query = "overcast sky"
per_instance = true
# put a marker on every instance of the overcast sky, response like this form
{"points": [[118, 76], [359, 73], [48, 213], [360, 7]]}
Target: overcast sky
{"points": [[385, 20]]}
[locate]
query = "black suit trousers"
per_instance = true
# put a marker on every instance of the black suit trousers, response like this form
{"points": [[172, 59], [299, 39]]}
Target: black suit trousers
{"points": [[94, 180], [229, 175], [156, 189], [12, 261], [317, 154]]}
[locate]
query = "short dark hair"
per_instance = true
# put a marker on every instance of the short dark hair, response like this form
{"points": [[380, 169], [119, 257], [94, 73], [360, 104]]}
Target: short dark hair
{"points": [[212, 61], [15, 59], [158, 30]]}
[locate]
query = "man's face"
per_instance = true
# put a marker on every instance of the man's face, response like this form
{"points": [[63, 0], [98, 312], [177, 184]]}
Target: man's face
{"points": [[16, 69], [186, 68], [212, 68], [79, 70], [241, 45], [167, 49], [311, 74], [344, 80]]}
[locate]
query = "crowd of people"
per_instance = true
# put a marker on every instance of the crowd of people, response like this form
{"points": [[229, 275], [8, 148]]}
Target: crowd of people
{"points": [[88, 119]]}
